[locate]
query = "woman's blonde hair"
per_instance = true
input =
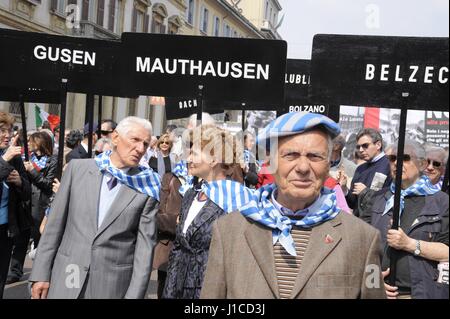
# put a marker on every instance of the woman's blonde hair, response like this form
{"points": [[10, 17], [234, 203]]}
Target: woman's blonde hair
{"points": [[163, 138], [220, 144], [6, 118]]}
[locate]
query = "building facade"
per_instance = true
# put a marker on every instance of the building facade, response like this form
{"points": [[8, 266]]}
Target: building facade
{"points": [[107, 19]]}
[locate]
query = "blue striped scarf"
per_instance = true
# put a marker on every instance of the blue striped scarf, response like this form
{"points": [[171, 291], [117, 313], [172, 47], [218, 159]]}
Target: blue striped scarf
{"points": [[146, 181], [422, 187], [181, 171], [262, 210], [38, 163], [227, 194]]}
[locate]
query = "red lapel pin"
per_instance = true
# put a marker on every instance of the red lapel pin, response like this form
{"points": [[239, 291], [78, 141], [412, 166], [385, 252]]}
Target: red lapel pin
{"points": [[328, 239]]}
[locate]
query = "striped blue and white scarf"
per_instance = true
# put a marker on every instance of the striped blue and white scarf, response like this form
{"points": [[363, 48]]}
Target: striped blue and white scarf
{"points": [[422, 187], [227, 194], [38, 163], [262, 210], [181, 171], [146, 181]]}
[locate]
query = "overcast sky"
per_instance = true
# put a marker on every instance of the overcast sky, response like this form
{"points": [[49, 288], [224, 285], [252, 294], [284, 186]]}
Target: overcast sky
{"points": [[304, 18]]}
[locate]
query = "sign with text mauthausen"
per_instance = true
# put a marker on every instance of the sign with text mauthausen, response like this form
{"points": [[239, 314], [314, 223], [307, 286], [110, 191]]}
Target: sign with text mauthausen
{"points": [[230, 69]]}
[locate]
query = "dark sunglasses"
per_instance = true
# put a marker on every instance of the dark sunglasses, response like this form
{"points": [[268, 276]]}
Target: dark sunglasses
{"points": [[393, 158], [435, 164], [105, 132], [166, 143], [364, 146]]}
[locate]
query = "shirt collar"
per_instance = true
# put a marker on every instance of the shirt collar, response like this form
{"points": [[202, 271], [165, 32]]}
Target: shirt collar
{"points": [[378, 157], [300, 213], [85, 146]]}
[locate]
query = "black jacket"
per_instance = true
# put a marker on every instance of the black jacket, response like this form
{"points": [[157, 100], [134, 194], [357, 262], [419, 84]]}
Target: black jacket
{"points": [[19, 216], [42, 183], [77, 153], [189, 257]]}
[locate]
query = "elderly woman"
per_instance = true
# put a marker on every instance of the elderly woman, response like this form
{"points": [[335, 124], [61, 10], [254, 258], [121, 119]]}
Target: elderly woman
{"points": [[291, 240], [437, 159], [14, 191], [163, 161], [213, 155], [422, 239]]}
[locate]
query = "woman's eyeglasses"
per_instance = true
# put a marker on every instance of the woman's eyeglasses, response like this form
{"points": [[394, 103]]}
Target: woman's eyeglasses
{"points": [[435, 164], [393, 158]]}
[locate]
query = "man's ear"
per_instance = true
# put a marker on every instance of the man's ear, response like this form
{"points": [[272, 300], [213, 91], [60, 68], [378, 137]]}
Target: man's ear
{"points": [[115, 138], [379, 145]]}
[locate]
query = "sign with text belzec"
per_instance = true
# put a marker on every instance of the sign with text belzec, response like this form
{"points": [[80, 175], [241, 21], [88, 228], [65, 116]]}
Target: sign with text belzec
{"points": [[30, 60], [376, 70], [231, 69]]}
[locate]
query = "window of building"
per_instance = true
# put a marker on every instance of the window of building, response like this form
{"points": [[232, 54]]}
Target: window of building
{"points": [[139, 21], [190, 12], [204, 20], [216, 26], [14, 108], [266, 9], [226, 30], [93, 11]]}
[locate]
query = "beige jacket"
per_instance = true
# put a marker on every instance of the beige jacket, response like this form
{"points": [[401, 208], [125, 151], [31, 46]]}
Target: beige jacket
{"points": [[241, 263]]}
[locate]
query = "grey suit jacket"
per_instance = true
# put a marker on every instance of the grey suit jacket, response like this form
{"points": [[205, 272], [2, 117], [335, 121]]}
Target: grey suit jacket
{"points": [[115, 258], [241, 263]]}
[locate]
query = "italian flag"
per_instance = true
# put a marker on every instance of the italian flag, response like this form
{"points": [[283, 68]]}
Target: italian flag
{"points": [[42, 116]]}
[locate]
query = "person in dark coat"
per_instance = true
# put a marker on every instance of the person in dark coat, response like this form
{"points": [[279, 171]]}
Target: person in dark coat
{"points": [[199, 209], [81, 150], [41, 170], [14, 192], [375, 173], [421, 242]]}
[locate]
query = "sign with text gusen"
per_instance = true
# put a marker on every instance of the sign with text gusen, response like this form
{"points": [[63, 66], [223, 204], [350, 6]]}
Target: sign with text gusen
{"points": [[376, 70], [230, 69], [38, 61]]}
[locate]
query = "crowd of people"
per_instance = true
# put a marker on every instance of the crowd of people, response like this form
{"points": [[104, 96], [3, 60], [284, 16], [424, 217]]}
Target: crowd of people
{"points": [[279, 213]]}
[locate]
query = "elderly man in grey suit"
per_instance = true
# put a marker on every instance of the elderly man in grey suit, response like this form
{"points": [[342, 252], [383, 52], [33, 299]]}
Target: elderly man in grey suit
{"points": [[291, 240], [100, 235]]}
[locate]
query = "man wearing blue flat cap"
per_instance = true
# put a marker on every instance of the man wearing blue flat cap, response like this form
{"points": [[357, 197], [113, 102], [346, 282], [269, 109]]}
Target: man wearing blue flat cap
{"points": [[291, 240]]}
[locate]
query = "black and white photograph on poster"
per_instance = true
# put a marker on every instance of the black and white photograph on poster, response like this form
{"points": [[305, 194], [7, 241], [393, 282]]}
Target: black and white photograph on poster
{"points": [[255, 120]]}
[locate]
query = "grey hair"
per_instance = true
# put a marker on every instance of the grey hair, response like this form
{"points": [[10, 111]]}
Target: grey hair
{"points": [[207, 119], [437, 149], [373, 134], [413, 148], [130, 122]]}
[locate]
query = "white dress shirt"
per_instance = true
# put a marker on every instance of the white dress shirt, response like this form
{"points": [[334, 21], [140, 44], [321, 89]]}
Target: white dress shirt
{"points": [[196, 207]]}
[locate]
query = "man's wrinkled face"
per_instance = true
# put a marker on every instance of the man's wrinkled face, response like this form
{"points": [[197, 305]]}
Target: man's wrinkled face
{"points": [[132, 146], [302, 165]]}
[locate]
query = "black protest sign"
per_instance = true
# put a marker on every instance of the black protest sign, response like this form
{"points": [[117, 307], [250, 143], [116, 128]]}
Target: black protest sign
{"points": [[40, 61], [29, 95], [297, 96], [436, 127], [177, 108], [230, 69], [376, 70]]}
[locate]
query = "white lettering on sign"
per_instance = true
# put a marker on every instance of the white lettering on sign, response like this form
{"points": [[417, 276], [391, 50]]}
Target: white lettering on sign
{"points": [[307, 108], [65, 55], [302, 79], [237, 70], [431, 74], [187, 104]]}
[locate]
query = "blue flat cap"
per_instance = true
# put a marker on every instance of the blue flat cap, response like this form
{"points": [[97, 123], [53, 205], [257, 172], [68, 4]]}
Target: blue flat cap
{"points": [[296, 123]]}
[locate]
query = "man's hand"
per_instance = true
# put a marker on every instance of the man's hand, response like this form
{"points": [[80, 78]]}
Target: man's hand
{"points": [[39, 290], [399, 240], [12, 152], [391, 292], [359, 187], [56, 184], [14, 178]]}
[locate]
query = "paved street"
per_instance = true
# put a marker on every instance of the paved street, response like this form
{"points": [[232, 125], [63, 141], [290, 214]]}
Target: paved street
{"points": [[19, 290]]}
